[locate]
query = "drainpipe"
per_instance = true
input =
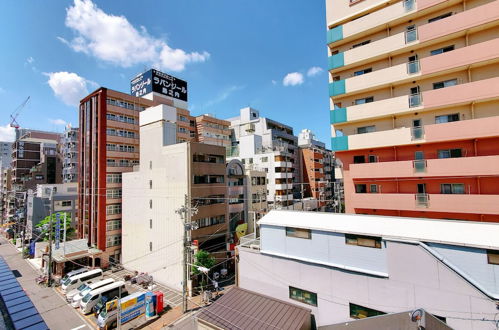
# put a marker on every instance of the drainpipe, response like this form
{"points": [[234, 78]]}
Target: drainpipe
{"points": [[475, 147], [473, 110], [469, 67], [478, 184]]}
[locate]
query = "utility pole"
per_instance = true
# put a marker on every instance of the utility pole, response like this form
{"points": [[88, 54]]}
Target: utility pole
{"points": [[186, 212], [49, 281]]}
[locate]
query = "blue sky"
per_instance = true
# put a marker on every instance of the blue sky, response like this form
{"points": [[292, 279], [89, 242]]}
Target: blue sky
{"points": [[270, 55]]}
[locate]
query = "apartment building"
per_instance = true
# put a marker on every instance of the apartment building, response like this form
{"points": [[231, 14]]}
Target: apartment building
{"points": [[211, 130], [317, 169], [256, 193], [267, 145], [347, 267], [29, 149], [108, 147], [69, 154], [169, 173], [65, 197], [6, 192], [414, 89]]}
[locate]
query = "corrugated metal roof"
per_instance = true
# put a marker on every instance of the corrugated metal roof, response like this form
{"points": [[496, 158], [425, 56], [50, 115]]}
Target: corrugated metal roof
{"points": [[454, 232], [243, 309]]}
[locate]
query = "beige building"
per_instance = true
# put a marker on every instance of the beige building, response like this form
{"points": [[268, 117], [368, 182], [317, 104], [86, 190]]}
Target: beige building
{"points": [[153, 230], [211, 130]]}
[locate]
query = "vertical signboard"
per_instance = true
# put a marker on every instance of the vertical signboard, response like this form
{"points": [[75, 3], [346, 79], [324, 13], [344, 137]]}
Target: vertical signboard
{"points": [[57, 230]]}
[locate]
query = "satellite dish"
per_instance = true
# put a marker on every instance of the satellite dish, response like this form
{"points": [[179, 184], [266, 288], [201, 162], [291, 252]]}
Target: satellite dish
{"points": [[417, 315]]}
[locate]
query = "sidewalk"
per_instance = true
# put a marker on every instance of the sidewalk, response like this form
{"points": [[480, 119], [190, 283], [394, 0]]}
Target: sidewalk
{"points": [[51, 306]]}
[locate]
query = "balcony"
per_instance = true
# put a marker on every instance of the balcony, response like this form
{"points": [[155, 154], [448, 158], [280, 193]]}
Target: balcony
{"points": [[374, 50], [461, 58], [288, 186], [397, 136], [451, 203], [283, 164], [282, 198], [481, 90], [283, 175], [463, 166], [378, 19], [377, 79], [462, 130], [472, 18]]}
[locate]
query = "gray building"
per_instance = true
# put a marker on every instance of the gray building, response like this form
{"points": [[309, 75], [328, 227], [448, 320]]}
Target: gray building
{"points": [[69, 152], [39, 205], [347, 267], [5, 154]]}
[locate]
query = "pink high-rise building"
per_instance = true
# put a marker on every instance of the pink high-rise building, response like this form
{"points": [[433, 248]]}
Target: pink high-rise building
{"points": [[414, 93]]}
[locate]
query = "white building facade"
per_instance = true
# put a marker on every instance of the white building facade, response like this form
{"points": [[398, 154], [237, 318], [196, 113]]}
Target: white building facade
{"points": [[346, 267], [267, 145]]}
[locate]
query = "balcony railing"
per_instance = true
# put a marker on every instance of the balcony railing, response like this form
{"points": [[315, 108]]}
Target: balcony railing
{"points": [[415, 100], [417, 133], [250, 241], [419, 165], [422, 200], [413, 67], [411, 35]]}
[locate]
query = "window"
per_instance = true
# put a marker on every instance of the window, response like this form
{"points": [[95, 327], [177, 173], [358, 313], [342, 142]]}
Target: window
{"points": [[211, 221], [434, 19], [113, 193], [364, 100], [150, 223], [452, 188], [450, 153], [150, 246], [113, 225], [373, 188], [303, 296], [207, 179], [444, 84], [446, 118], [113, 178], [113, 209], [442, 50], [150, 164], [150, 184], [366, 241], [360, 312], [360, 188], [264, 159], [493, 257], [373, 159], [150, 203], [298, 232], [113, 240], [361, 43], [366, 129], [66, 203], [361, 72], [359, 159]]}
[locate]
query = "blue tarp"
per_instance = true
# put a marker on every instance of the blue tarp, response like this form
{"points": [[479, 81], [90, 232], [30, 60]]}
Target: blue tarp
{"points": [[20, 309]]}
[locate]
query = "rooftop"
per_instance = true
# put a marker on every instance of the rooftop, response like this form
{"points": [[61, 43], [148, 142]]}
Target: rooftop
{"points": [[454, 232], [243, 309]]}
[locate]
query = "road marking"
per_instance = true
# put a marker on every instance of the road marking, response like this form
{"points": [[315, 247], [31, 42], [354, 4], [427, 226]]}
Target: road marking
{"points": [[81, 326]]}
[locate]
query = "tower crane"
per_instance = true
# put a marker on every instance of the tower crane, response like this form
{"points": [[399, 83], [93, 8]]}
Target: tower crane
{"points": [[15, 113]]}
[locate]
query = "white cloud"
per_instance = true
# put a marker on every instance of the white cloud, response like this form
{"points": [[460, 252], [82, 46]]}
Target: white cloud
{"points": [[314, 71], [293, 79], [7, 133], [113, 39], [274, 82], [59, 122], [2, 90], [69, 87], [223, 95], [30, 60]]}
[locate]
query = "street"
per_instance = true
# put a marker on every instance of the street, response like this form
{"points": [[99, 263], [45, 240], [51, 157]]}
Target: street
{"points": [[50, 304]]}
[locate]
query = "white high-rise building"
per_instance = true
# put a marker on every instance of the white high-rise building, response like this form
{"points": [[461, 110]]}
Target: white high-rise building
{"points": [[264, 144]]}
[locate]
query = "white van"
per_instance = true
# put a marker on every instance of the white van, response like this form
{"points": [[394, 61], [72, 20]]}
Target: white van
{"points": [[75, 295], [109, 291], [73, 273], [75, 281]]}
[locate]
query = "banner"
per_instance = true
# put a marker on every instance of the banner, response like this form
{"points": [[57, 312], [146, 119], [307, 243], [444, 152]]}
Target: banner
{"points": [[57, 230]]}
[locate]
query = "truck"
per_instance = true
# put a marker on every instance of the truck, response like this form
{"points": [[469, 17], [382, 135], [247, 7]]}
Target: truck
{"points": [[131, 307]]}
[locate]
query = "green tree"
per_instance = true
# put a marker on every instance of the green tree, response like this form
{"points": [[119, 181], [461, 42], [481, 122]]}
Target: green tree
{"points": [[202, 259], [44, 228]]}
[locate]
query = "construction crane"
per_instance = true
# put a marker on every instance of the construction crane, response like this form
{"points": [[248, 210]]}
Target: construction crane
{"points": [[13, 116]]}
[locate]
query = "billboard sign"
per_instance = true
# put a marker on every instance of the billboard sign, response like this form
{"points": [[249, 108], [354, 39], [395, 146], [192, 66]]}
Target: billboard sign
{"points": [[159, 82]]}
